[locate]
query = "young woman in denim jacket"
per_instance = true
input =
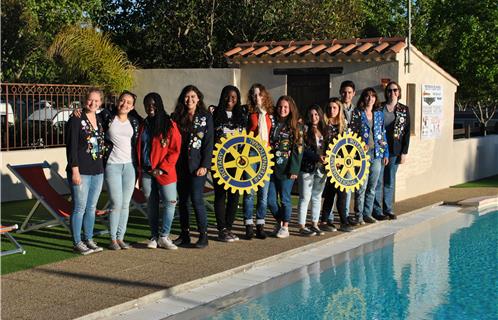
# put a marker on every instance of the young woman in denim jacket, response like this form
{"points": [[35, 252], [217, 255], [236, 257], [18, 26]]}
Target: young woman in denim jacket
{"points": [[196, 126], [158, 149], [397, 122], [85, 148], [228, 117], [121, 132], [336, 125], [260, 122], [368, 122], [286, 140], [312, 177]]}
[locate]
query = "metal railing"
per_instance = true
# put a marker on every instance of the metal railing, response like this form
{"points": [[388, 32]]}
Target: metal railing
{"points": [[34, 115]]}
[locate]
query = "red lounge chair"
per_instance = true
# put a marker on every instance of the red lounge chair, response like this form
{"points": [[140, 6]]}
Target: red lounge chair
{"points": [[33, 177], [5, 231]]}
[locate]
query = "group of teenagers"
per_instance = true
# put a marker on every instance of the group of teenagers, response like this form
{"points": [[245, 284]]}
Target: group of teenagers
{"points": [[170, 156]]}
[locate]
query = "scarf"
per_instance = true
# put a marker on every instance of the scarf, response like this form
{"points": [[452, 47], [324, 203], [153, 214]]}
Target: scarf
{"points": [[262, 127]]}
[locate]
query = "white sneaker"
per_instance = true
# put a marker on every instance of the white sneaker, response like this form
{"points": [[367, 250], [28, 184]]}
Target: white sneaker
{"points": [[283, 232], [166, 243], [152, 243]]}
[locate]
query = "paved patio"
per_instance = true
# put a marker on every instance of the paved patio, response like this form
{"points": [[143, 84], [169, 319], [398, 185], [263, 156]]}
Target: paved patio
{"points": [[76, 287]]}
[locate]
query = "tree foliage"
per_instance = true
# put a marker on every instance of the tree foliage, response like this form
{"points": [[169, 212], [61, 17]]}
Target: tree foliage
{"points": [[195, 33], [90, 56], [28, 28]]}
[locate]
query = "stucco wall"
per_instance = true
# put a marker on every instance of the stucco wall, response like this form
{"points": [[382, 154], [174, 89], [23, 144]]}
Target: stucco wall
{"points": [[169, 83], [12, 188]]}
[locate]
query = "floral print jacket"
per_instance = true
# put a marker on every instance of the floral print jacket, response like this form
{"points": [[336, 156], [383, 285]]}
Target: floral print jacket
{"points": [[85, 147], [199, 142], [287, 154], [398, 135], [359, 125]]}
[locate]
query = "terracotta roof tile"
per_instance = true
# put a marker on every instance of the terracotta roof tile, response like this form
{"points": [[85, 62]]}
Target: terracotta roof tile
{"points": [[260, 50], [255, 51], [288, 50], [317, 49], [275, 50], [381, 46]]}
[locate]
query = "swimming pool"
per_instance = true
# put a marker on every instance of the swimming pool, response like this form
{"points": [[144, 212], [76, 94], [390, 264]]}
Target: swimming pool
{"points": [[444, 271]]}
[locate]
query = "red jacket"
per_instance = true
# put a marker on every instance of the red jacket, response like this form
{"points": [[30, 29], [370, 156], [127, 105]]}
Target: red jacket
{"points": [[253, 123], [162, 157]]}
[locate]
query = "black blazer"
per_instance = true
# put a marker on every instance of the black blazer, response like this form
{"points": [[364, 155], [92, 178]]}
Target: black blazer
{"points": [[198, 143], [398, 135]]}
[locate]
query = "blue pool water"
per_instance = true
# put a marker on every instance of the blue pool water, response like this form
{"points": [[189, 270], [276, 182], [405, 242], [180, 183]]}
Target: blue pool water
{"points": [[448, 271]]}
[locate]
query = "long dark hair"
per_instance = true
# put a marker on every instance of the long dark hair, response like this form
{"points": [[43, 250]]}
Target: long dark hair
{"points": [[292, 118], [362, 104], [161, 122], [310, 135], [220, 115], [181, 113]]}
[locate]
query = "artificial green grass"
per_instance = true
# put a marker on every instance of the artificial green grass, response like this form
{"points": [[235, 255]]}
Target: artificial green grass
{"points": [[54, 244], [489, 182]]}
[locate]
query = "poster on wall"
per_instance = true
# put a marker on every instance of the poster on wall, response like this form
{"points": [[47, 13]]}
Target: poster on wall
{"points": [[432, 111]]}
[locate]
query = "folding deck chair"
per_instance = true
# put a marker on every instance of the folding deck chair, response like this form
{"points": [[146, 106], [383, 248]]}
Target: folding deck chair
{"points": [[5, 231], [33, 177]]}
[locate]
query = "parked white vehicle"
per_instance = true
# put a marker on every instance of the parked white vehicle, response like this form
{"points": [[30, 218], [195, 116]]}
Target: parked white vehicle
{"points": [[7, 112]]}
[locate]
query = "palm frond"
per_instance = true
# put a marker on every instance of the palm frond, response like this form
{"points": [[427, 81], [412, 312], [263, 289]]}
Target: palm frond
{"points": [[91, 54]]}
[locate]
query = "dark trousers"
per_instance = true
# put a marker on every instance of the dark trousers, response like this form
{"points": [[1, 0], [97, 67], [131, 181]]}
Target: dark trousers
{"points": [[329, 194], [225, 206], [191, 187]]}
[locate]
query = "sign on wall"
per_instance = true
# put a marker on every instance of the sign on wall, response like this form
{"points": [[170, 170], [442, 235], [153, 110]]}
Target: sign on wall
{"points": [[432, 111]]}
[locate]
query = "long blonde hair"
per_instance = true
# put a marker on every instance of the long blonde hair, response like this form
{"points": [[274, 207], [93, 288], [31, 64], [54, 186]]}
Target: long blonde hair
{"points": [[340, 119]]}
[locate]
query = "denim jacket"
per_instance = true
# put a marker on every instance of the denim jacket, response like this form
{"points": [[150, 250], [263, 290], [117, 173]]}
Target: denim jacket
{"points": [[360, 126]]}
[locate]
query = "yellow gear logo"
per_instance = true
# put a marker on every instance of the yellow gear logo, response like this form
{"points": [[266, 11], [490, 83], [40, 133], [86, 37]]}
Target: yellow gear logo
{"points": [[347, 162], [242, 162]]}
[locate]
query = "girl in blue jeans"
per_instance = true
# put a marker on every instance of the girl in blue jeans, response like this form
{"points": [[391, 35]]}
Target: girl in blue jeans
{"points": [[120, 176], [312, 176], [158, 148], [286, 140], [85, 170], [368, 122]]}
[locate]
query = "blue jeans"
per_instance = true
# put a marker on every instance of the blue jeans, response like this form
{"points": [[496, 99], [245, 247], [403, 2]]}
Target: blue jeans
{"points": [[280, 188], [384, 195], [85, 197], [364, 197], [311, 187], [153, 191], [191, 187], [261, 206], [120, 181]]}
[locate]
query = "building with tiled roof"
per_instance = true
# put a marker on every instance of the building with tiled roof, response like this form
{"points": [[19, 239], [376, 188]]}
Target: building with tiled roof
{"points": [[312, 71]]}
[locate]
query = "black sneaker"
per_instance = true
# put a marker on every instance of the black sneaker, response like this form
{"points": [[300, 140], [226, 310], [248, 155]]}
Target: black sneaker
{"points": [[249, 231], [260, 231], [352, 221], [224, 236], [233, 235], [380, 217], [345, 228], [368, 219], [327, 228], [391, 216], [305, 232], [317, 231]]}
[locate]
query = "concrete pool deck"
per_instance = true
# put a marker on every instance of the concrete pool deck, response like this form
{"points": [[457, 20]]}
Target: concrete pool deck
{"points": [[85, 285]]}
